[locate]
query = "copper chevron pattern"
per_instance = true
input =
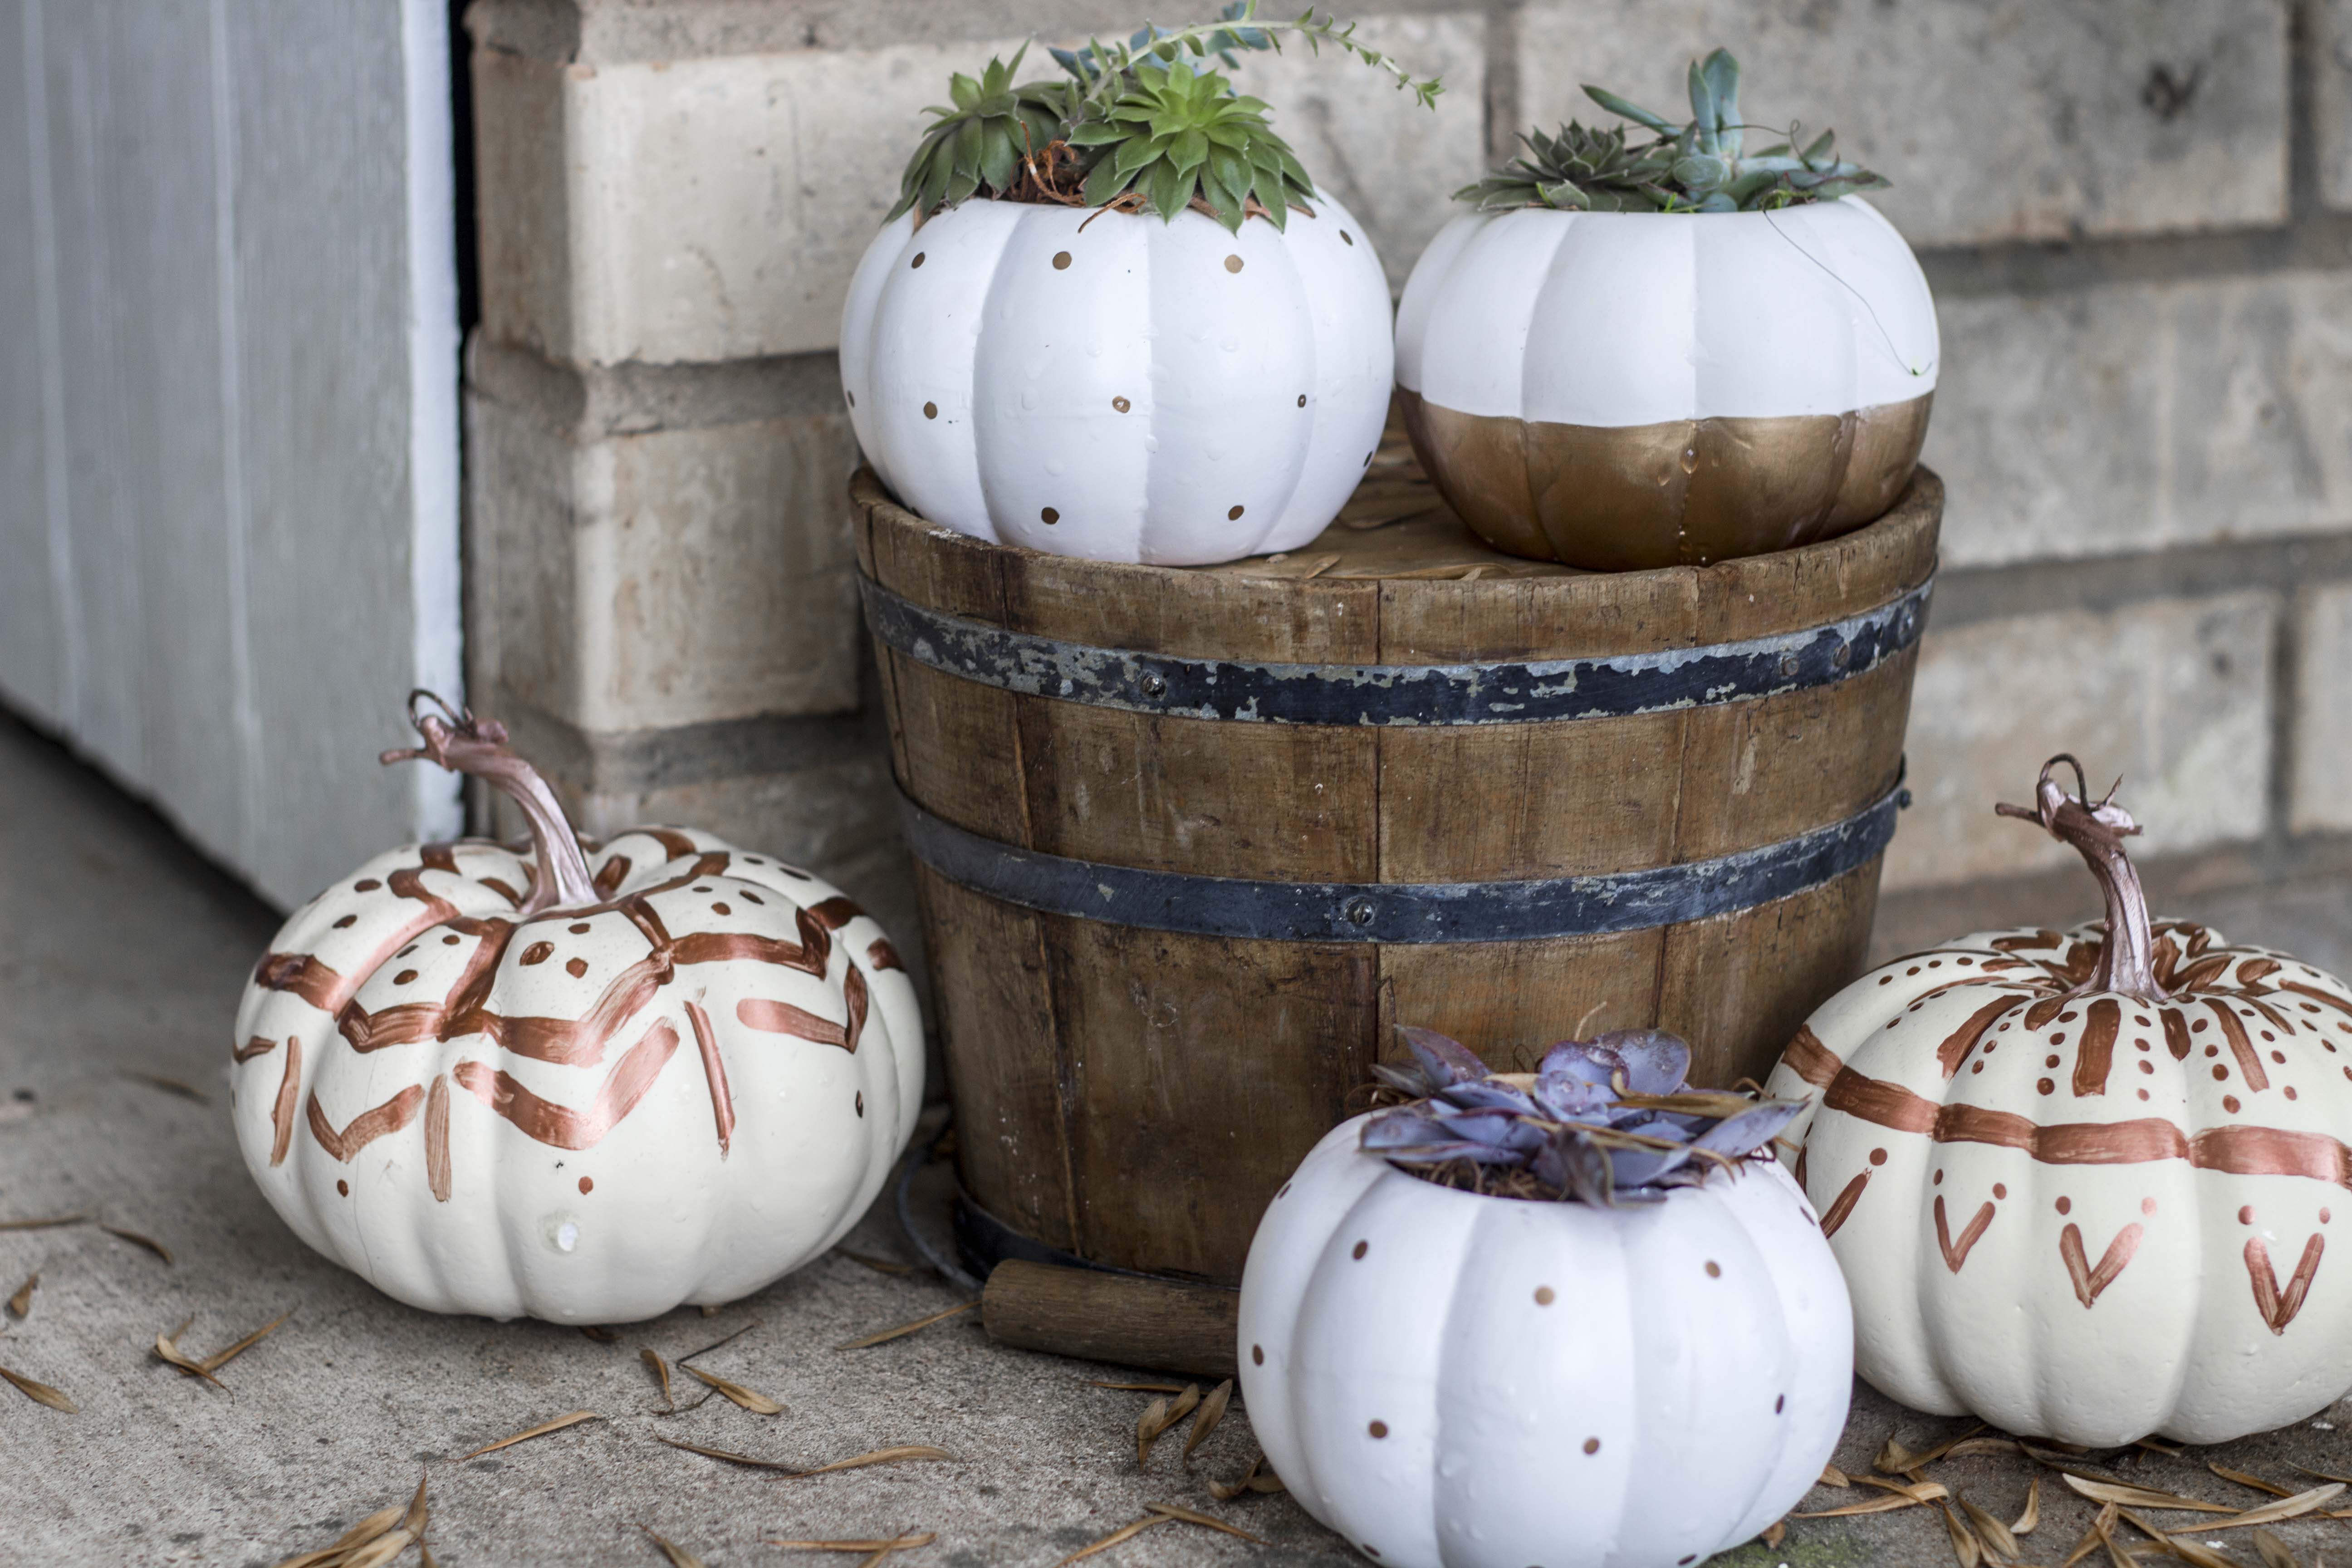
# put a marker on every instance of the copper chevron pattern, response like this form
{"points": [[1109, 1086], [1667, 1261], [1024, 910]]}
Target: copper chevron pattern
{"points": [[561, 1125], [1955, 1253], [1955, 1049], [366, 1127], [281, 1111], [2090, 1282], [2250, 1060], [2278, 1307], [579, 1042], [1843, 1203], [714, 1073]]}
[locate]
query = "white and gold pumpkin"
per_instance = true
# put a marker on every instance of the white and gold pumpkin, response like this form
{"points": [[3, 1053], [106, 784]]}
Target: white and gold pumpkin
{"points": [[581, 1087], [1102, 383], [1635, 390], [2083, 1184]]}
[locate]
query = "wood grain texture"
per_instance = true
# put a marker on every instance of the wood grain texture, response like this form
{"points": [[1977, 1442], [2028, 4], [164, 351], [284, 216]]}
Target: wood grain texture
{"points": [[1162, 1086], [1165, 1325]]}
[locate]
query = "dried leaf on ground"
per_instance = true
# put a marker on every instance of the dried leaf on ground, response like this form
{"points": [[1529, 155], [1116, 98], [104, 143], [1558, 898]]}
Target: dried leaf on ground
{"points": [[21, 1302], [367, 1530], [1965, 1545], [899, 1455], [2025, 1522], [895, 1543], [415, 1518], [40, 1393], [1192, 1516], [2103, 1528], [1774, 1533], [169, 1085], [879, 1264], [541, 1430], [220, 1359], [1124, 1532], [2107, 1515], [380, 1551], [2140, 1497], [50, 1222], [601, 1334], [1907, 1494], [2273, 1550], [1147, 1429], [1224, 1493], [424, 1556], [652, 1358], [679, 1556], [2295, 1506], [1834, 1476], [903, 1329], [149, 1242], [1979, 1448], [2188, 1550], [2255, 1483], [2320, 1475], [1139, 1387], [1999, 1539], [2158, 1445], [757, 1404], [714, 1344], [1211, 1412], [167, 1347], [1894, 1459]]}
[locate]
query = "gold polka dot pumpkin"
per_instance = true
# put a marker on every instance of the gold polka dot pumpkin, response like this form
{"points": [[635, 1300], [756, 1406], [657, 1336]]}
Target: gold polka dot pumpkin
{"points": [[584, 1083], [2083, 1184]]}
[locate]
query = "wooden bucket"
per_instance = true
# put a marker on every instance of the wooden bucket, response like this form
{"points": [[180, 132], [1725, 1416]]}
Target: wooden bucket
{"points": [[1190, 841]]}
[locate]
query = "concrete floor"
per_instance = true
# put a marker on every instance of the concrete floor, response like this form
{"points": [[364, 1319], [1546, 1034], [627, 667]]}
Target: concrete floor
{"points": [[122, 953]]}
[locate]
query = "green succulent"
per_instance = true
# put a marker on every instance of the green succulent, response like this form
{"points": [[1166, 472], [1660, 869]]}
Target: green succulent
{"points": [[1701, 165], [1178, 136], [1136, 125]]}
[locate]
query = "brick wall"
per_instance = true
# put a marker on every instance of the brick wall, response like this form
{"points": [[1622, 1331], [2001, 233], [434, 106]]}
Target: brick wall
{"points": [[2134, 213]]}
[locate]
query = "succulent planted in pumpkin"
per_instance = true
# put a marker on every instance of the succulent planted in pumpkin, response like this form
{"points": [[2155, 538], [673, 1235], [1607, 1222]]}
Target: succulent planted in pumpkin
{"points": [[1601, 1120], [1135, 126], [1700, 165]]}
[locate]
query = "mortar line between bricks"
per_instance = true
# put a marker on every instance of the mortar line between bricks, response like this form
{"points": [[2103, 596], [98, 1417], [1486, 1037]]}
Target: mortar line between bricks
{"points": [[1966, 595]]}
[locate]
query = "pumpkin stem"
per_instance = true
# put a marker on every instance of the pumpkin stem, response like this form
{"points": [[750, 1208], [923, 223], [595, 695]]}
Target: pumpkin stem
{"points": [[2126, 961], [465, 744]]}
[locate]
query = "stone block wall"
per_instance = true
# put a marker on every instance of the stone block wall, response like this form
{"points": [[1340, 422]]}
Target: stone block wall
{"points": [[2137, 215]]}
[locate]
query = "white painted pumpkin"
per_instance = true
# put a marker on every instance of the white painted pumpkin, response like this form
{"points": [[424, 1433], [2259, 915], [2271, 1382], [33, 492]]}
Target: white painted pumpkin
{"points": [[1104, 385], [666, 1072], [1621, 389], [1448, 1378], [2085, 1189]]}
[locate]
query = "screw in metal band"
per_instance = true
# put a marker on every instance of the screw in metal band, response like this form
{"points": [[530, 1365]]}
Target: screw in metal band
{"points": [[1154, 686], [1358, 912], [1788, 664]]}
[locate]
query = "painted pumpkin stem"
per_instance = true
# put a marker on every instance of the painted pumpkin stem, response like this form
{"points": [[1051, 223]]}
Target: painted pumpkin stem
{"points": [[465, 744], [2126, 962]]}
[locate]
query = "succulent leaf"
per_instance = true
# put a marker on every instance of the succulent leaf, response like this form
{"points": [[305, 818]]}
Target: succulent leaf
{"points": [[1697, 166], [1605, 1121]]}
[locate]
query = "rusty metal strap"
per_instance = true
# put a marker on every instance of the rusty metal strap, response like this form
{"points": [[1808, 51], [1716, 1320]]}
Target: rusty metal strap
{"points": [[1255, 910], [1544, 690]]}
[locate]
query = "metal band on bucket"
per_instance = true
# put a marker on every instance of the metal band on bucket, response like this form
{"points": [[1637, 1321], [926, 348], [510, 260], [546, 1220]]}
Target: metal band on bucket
{"points": [[1250, 909], [1402, 694]]}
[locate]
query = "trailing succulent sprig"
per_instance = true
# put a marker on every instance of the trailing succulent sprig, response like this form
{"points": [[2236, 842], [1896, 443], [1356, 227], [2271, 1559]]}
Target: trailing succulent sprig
{"points": [[1698, 166], [1604, 1120], [1135, 126]]}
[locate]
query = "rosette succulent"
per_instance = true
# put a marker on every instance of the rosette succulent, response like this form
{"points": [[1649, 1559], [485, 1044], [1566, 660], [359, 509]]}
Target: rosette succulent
{"points": [[1604, 1120], [1701, 165], [1134, 126]]}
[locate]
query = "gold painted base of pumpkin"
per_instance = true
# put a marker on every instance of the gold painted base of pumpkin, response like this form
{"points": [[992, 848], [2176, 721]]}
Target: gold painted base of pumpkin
{"points": [[1685, 492]]}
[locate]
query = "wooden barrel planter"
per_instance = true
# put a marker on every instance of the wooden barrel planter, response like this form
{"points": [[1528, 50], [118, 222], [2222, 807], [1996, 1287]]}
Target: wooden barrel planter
{"points": [[1190, 841]]}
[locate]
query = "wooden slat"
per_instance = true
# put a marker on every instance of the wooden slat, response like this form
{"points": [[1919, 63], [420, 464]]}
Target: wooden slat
{"points": [[1202, 1072], [1289, 802], [962, 749], [1737, 986], [1157, 1323], [1509, 1000], [988, 968]]}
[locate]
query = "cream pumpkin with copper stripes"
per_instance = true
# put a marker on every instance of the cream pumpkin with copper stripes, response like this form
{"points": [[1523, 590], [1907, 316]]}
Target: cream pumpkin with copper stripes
{"points": [[2083, 1186], [586, 1086]]}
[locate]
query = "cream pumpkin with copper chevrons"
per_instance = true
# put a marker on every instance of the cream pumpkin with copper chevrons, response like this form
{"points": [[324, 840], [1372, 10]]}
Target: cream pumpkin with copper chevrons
{"points": [[2083, 1186], [580, 1086]]}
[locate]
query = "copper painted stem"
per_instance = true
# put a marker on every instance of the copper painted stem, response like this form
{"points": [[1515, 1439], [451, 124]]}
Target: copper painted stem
{"points": [[465, 744], [2126, 961]]}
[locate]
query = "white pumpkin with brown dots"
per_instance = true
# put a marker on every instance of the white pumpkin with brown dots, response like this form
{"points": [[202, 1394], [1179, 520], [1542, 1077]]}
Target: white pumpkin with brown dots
{"points": [[1452, 1379], [2083, 1184], [586, 1086], [1106, 385]]}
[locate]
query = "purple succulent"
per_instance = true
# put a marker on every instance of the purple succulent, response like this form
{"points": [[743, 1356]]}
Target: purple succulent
{"points": [[1606, 1119]]}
